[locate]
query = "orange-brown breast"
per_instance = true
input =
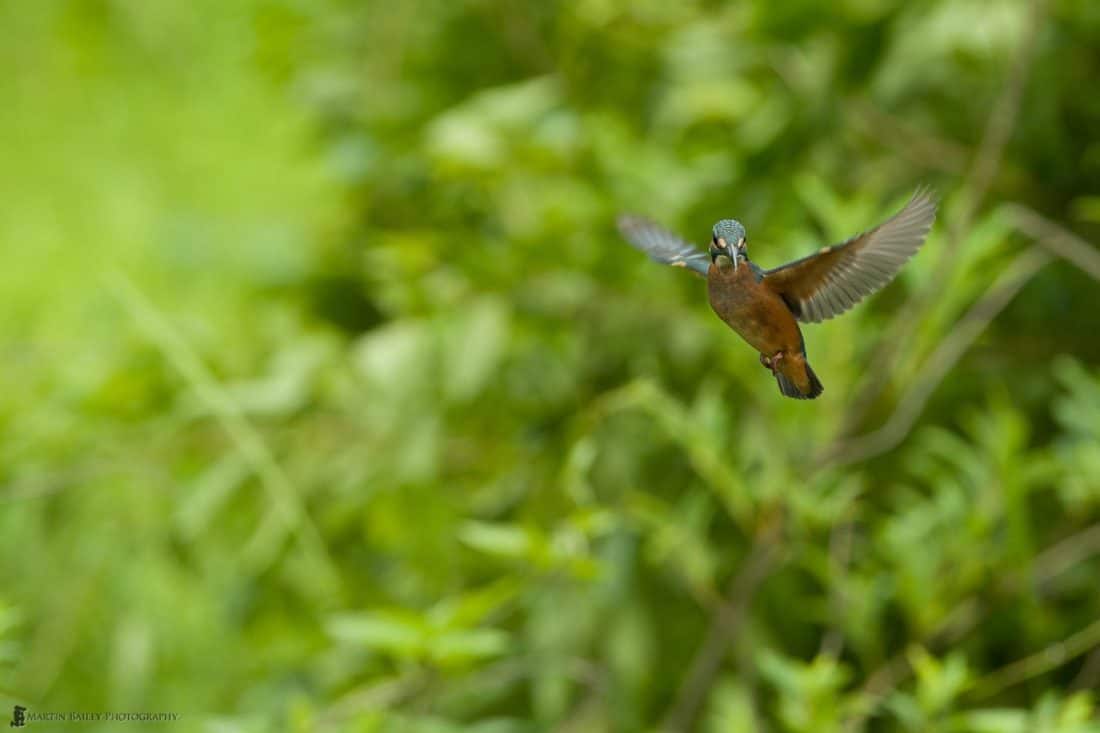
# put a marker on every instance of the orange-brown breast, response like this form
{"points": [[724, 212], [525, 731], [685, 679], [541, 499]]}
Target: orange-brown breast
{"points": [[755, 312]]}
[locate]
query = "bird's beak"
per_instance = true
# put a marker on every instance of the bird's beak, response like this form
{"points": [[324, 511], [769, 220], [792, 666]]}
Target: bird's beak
{"points": [[719, 246]]}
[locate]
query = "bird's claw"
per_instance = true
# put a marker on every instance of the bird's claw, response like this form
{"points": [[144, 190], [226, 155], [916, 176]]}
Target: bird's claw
{"points": [[771, 362]]}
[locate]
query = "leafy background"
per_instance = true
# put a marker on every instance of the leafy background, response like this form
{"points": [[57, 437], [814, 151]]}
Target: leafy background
{"points": [[331, 399]]}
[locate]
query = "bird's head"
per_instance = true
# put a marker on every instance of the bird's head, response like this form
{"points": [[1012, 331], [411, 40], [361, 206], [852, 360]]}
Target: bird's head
{"points": [[728, 240]]}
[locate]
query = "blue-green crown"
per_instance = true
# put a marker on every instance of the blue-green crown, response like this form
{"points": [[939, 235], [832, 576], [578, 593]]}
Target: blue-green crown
{"points": [[729, 230]]}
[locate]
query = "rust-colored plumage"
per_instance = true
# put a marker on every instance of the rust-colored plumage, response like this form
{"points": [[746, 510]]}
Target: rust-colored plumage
{"points": [[764, 306], [743, 299]]}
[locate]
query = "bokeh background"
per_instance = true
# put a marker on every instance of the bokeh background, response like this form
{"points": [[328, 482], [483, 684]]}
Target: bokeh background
{"points": [[332, 400]]}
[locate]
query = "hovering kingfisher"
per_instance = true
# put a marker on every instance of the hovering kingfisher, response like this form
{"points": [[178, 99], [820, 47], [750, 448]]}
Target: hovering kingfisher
{"points": [[764, 306]]}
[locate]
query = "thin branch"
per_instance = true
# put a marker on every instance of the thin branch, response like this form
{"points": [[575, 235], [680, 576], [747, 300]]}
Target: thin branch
{"points": [[907, 138], [840, 554], [878, 685], [1057, 239], [1089, 676], [895, 670], [1067, 553], [998, 130], [248, 440], [57, 638], [371, 697], [40, 492], [725, 624], [1052, 561], [1039, 663], [1002, 120], [942, 360]]}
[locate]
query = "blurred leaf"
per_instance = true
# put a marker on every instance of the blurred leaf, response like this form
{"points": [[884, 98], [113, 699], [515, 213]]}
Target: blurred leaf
{"points": [[809, 694], [506, 541], [730, 708], [475, 344], [395, 632], [939, 683], [532, 461]]}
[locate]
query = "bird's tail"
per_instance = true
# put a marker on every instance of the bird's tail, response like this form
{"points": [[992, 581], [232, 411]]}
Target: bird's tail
{"points": [[796, 379]]}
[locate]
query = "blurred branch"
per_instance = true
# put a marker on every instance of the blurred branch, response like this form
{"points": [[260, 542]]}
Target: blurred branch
{"points": [[999, 126], [1049, 658], [370, 698], [1067, 553], [1089, 676], [1052, 561], [840, 554], [725, 623], [895, 670], [879, 684], [998, 131], [56, 640], [248, 440], [517, 26], [921, 147], [1056, 238], [707, 462], [10, 496], [1048, 234], [942, 360]]}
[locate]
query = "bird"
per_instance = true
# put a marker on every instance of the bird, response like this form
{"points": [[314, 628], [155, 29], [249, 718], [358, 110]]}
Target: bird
{"points": [[765, 307]]}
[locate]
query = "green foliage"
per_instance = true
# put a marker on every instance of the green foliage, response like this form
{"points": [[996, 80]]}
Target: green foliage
{"points": [[333, 400]]}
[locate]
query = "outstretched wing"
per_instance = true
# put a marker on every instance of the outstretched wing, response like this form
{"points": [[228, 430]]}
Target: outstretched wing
{"points": [[834, 279], [662, 245]]}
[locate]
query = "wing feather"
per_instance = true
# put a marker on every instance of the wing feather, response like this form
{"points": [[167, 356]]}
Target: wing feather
{"points": [[662, 245], [834, 279]]}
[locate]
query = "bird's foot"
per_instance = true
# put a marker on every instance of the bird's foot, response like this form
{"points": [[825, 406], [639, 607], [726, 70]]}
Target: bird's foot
{"points": [[771, 362]]}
